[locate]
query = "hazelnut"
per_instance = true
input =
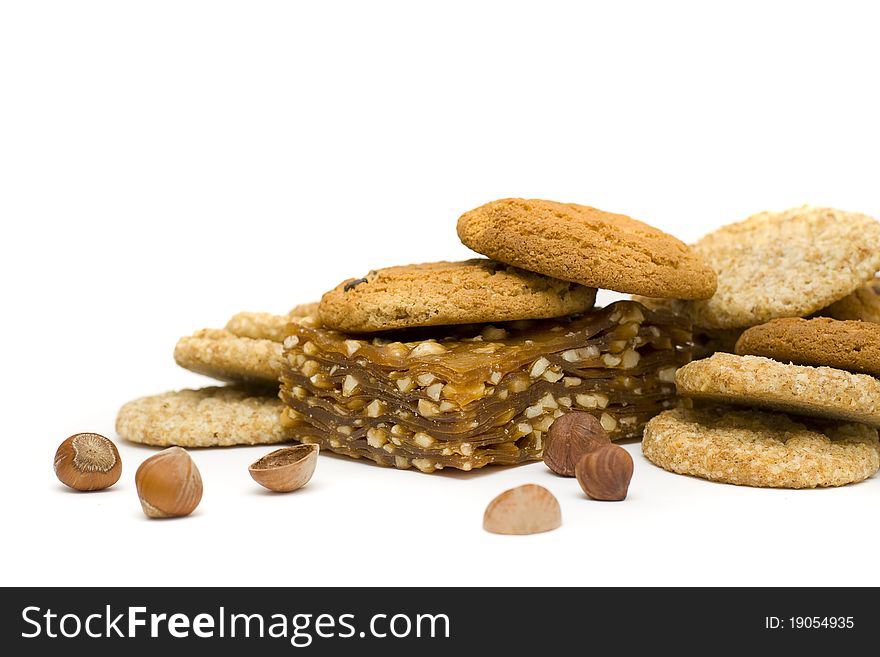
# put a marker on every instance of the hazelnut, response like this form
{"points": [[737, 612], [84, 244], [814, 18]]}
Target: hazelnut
{"points": [[528, 509], [88, 461], [169, 484], [570, 437], [286, 469], [605, 473]]}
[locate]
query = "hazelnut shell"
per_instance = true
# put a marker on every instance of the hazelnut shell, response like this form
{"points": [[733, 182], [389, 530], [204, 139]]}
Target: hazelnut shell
{"points": [[528, 509], [286, 469]]}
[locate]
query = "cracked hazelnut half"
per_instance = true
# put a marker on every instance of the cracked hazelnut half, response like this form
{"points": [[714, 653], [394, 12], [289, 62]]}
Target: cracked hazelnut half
{"points": [[286, 469], [528, 509]]}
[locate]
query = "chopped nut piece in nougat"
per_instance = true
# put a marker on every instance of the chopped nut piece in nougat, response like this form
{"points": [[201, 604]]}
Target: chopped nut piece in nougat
{"points": [[482, 394]]}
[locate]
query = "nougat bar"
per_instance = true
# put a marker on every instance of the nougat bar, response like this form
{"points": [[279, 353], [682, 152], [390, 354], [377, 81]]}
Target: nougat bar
{"points": [[479, 394]]}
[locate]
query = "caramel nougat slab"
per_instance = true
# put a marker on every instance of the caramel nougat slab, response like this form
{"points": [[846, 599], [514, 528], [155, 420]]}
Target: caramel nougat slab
{"points": [[484, 394]]}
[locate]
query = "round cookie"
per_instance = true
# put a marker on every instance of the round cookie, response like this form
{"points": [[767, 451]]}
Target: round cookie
{"points": [[439, 293], [259, 326], [846, 345], [266, 326], [863, 304], [209, 417], [785, 264], [588, 246], [753, 448], [304, 310], [755, 381], [225, 356]]}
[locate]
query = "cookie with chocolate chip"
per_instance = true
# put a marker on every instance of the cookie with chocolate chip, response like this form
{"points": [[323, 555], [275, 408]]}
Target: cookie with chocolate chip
{"points": [[442, 293]]}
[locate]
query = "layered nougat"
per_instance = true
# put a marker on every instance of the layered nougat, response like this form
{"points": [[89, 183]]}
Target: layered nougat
{"points": [[475, 395]]}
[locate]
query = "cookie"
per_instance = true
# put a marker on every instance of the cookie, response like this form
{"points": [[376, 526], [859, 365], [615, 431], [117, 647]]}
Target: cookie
{"points": [[222, 355], [785, 264], [304, 310], [755, 381], [258, 326], [863, 304], [588, 246], [753, 448], [846, 345], [439, 293], [209, 417], [267, 326]]}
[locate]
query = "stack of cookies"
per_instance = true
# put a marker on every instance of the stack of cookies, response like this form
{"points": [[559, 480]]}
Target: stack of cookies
{"points": [[458, 364], [808, 382], [798, 263]]}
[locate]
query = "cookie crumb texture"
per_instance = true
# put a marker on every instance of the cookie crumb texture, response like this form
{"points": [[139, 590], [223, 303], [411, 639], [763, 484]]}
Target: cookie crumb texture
{"points": [[846, 345], [767, 450], [259, 326], [756, 381], [222, 355], [588, 246], [209, 417], [786, 264], [444, 293]]}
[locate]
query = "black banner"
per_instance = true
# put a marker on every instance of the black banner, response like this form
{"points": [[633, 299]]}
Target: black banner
{"points": [[429, 621]]}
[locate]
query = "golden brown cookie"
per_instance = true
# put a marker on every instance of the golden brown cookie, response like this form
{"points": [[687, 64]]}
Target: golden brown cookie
{"points": [[208, 417], [863, 304], [440, 293], [785, 264], [228, 357], [851, 346], [753, 448], [588, 246], [266, 326], [304, 310], [755, 381], [258, 326]]}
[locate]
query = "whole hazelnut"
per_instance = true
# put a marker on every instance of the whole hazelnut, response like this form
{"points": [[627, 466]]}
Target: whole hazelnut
{"points": [[604, 474], [286, 469], [169, 484], [88, 461], [570, 437], [528, 509]]}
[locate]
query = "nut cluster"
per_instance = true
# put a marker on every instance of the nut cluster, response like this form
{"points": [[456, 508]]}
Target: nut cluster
{"points": [[578, 446], [169, 484]]}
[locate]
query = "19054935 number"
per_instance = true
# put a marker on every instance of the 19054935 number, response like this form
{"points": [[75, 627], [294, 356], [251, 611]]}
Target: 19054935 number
{"points": [[821, 622]]}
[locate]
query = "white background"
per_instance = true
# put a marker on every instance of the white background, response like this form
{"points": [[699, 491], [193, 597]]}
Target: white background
{"points": [[164, 165]]}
